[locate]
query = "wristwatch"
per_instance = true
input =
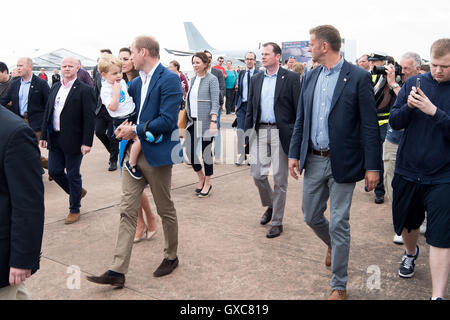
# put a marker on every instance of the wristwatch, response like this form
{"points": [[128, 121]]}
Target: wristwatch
{"points": [[395, 85], [135, 129]]}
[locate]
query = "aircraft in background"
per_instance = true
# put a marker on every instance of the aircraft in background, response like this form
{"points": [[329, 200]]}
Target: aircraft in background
{"points": [[196, 43]]}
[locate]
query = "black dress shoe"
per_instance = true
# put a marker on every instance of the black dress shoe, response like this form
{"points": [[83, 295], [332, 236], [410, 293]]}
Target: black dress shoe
{"points": [[117, 280], [274, 231], [267, 216], [379, 199], [112, 166], [166, 267]]}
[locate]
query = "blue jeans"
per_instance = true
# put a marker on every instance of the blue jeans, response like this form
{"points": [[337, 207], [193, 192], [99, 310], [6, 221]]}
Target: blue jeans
{"points": [[58, 164]]}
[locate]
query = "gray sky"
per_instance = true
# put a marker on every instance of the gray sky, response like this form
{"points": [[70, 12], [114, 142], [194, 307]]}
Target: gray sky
{"points": [[390, 26]]}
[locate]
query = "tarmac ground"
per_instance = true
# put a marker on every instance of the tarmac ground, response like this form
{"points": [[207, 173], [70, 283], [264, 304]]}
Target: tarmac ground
{"points": [[223, 250]]}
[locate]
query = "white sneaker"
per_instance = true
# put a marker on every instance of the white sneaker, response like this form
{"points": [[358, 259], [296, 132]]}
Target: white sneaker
{"points": [[398, 239]]}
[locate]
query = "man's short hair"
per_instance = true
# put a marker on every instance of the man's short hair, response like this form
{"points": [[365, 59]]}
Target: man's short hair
{"points": [[276, 47], [105, 51], [328, 33], [220, 58], [107, 61], [415, 57], [149, 43], [425, 67], [3, 67], [440, 48], [251, 52]]}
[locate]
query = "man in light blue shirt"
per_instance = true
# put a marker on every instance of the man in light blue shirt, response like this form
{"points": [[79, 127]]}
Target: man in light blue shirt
{"points": [[323, 94], [23, 95], [271, 112]]}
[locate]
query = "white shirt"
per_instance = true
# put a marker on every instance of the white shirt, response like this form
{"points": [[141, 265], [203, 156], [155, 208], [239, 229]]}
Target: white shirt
{"points": [[126, 104], [146, 78], [193, 97], [60, 101]]}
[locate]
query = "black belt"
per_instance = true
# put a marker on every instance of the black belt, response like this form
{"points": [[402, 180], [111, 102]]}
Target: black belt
{"points": [[323, 153], [267, 124]]}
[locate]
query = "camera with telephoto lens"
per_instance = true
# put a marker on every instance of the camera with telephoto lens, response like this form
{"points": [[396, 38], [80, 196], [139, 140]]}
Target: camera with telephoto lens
{"points": [[382, 70]]}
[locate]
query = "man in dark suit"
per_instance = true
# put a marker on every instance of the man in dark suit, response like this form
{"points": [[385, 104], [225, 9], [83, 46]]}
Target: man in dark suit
{"points": [[272, 105], [157, 94], [242, 102], [337, 141], [21, 206], [28, 95], [68, 132]]}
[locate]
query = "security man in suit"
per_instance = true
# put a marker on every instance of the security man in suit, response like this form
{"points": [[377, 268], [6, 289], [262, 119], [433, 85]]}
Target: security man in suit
{"points": [[336, 141], [28, 95], [21, 206], [68, 132], [242, 103], [271, 111]]}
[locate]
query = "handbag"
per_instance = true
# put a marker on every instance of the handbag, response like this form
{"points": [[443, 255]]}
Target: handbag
{"points": [[182, 121]]}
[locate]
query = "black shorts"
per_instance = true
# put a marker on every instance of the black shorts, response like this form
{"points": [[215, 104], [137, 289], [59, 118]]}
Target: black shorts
{"points": [[410, 202]]}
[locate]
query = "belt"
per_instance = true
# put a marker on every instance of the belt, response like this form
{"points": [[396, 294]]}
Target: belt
{"points": [[267, 124], [323, 153]]}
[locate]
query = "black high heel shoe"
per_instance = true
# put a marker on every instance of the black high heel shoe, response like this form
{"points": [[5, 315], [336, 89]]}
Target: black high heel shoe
{"points": [[198, 191], [204, 195]]}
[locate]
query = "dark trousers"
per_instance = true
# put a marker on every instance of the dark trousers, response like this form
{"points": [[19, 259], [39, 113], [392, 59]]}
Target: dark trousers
{"points": [[241, 139], [229, 103], [104, 131], [191, 147], [59, 163], [379, 189]]}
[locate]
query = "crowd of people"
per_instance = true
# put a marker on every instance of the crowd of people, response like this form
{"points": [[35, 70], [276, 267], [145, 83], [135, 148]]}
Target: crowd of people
{"points": [[334, 122]]}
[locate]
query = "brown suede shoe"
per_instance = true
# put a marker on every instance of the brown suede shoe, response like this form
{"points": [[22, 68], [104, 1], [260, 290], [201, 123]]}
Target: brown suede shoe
{"points": [[338, 295], [72, 218], [83, 192], [328, 258]]}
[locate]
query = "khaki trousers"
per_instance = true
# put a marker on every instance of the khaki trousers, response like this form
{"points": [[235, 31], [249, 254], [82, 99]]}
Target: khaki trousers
{"points": [[14, 293], [389, 157], [159, 179]]}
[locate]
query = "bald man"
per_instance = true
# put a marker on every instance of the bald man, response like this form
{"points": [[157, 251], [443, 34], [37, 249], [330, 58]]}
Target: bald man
{"points": [[28, 96], [68, 132]]}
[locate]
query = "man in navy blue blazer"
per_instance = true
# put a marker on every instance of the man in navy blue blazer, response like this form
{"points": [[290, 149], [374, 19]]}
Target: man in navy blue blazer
{"points": [[157, 94], [242, 102], [336, 141], [28, 95]]}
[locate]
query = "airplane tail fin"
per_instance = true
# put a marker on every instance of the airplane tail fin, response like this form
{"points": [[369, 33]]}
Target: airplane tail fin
{"points": [[195, 39]]}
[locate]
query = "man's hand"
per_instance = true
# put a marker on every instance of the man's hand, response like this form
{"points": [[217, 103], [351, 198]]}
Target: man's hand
{"points": [[420, 101], [43, 144], [17, 276], [85, 150], [390, 74], [125, 131], [372, 179], [294, 168]]}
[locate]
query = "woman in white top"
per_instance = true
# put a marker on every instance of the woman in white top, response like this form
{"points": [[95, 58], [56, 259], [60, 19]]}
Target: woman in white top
{"points": [[202, 109]]}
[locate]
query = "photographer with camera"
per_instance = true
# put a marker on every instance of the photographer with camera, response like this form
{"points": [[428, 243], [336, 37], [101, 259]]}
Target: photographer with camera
{"points": [[384, 98], [410, 66]]}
